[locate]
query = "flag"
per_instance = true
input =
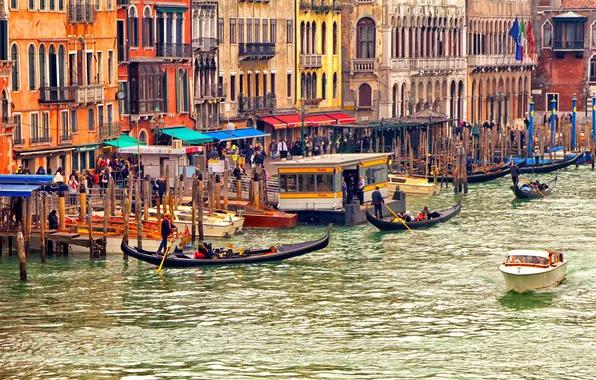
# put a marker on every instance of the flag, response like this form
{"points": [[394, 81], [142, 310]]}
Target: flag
{"points": [[522, 39], [514, 33], [531, 41]]}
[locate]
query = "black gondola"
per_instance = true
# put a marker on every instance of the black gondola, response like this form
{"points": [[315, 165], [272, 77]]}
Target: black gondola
{"points": [[473, 178], [225, 257], [561, 164], [386, 225], [526, 191]]}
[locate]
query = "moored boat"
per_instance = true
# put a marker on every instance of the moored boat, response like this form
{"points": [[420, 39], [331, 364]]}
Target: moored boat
{"points": [[412, 186], [390, 225], [527, 270], [472, 178], [258, 216], [212, 226], [228, 256], [533, 190], [551, 167]]}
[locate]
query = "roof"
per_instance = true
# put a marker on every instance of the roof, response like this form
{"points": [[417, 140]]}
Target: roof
{"points": [[124, 141], [578, 4], [331, 160], [236, 134], [295, 120], [528, 252], [17, 185], [570, 15], [187, 135]]}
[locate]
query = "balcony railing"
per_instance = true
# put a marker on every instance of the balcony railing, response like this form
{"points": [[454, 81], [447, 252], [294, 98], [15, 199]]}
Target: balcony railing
{"points": [[257, 51], [496, 60], [66, 139], [92, 93], [57, 95], [122, 3], [320, 6], [18, 141], [448, 63], [172, 50], [145, 107], [208, 93], [9, 120], [79, 12], [205, 44], [311, 61], [254, 1], [256, 103], [109, 131], [40, 140], [313, 102], [568, 45], [363, 65]]}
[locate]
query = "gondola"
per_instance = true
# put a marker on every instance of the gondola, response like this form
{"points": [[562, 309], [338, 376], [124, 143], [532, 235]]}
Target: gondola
{"points": [[557, 165], [227, 257], [473, 178], [526, 191], [386, 225]]}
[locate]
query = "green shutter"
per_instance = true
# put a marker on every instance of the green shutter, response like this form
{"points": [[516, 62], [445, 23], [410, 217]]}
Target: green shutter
{"points": [[164, 89], [178, 100], [75, 161], [91, 159]]}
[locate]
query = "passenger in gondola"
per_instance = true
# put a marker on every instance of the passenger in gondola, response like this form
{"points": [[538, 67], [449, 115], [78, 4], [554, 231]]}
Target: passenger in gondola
{"points": [[426, 212], [408, 217], [469, 163]]}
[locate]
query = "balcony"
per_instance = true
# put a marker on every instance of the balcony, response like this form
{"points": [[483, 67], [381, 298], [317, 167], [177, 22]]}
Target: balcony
{"points": [[568, 45], [256, 103], [209, 94], [320, 6], [145, 107], [18, 141], [92, 93], [363, 65], [57, 95], [66, 139], [9, 121], [109, 131], [172, 50], [429, 64], [40, 140], [311, 61], [122, 3], [80, 13], [313, 102], [256, 51], [496, 61], [205, 44]]}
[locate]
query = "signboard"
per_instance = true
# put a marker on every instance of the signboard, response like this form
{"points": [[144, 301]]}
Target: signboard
{"points": [[194, 149], [153, 149], [87, 148]]}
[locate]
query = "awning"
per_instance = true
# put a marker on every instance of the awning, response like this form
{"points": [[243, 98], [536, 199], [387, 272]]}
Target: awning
{"points": [[45, 152], [342, 118], [274, 122], [187, 135], [25, 179], [316, 120], [12, 190], [220, 135], [292, 120], [124, 141], [236, 134], [171, 8], [87, 148]]}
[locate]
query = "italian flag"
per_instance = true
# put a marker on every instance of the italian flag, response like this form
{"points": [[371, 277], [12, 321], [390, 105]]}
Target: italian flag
{"points": [[522, 38]]}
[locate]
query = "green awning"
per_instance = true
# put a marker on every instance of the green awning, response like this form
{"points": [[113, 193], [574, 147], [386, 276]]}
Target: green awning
{"points": [[187, 135], [124, 141], [171, 8]]}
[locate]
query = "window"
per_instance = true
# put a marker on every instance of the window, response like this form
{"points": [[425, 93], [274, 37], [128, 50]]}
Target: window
{"points": [[249, 30], [265, 31], [290, 31], [233, 88], [42, 5], [324, 182], [232, 31], [365, 38], [164, 89], [14, 4], [547, 35], [241, 84], [324, 87], [241, 30], [100, 67], [334, 38], [257, 31], [34, 127], [133, 27], [109, 4], [289, 85], [14, 74], [288, 183], [52, 5], [60, 5], [593, 69], [569, 35], [182, 96], [32, 5], [324, 39], [32, 73], [64, 123], [111, 67], [17, 132], [248, 85], [593, 35], [365, 96], [147, 28], [45, 126], [306, 182], [273, 31], [220, 29], [91, 119], [273, 83], [334, 86], [42, 66], [98, 5], [257, 83], [73, 121]]}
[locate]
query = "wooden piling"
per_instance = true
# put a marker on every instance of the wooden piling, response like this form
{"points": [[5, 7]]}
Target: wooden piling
{"points": [[90, 227], [22, 256], [42, 226], [167, 178], [225, 184], [83, 203], [105, 226], [126, 215], [200, 210], [138, 214], [193, 229], [26, 223], [210, 194], [175, 195], [239, 189], [179, 197], [147, 199], [61, 211], [217, 196], [112, 186]]}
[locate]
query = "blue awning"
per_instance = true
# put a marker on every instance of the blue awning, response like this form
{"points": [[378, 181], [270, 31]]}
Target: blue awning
{"points": [[26, 179], [220, 135], [236, 134], [12, 190]]}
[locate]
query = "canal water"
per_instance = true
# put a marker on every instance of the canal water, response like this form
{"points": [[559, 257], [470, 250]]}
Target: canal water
{"points": [[371, 306]]}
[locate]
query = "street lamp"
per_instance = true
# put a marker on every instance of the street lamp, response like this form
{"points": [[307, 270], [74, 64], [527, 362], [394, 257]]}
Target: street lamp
{"points": [[302, 111], [410, 99], [156, 123]]}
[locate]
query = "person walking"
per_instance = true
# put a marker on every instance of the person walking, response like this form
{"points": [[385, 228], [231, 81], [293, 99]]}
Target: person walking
{"points": [[378, 201], [282, 148]]}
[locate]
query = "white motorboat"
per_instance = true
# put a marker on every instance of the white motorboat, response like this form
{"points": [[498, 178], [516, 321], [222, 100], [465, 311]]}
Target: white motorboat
{"points": [[212, 226], [527, 270], [185, 214], [412, 186]]}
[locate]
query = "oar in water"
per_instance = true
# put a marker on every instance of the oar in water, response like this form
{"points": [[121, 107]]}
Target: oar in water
{"points": [[165, 254], [533, 186], [401, 220]]}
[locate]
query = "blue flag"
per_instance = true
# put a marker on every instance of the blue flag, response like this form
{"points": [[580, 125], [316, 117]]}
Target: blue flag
{"points": [[514, 33]]}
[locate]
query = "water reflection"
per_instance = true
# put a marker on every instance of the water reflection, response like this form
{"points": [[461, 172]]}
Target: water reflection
{"points": [[524, 301]]}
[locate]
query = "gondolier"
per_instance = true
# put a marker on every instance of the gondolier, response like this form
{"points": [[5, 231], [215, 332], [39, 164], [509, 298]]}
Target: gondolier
{"points": [[166, 230], [515, 172], [378, 201]]}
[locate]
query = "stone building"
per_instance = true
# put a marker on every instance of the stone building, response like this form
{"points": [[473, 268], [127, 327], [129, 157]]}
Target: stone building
{"points": [[498, 84], [566, 44], [63, 81], [403, 58]]}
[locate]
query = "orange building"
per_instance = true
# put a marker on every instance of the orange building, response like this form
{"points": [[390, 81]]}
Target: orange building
{"points": [[7, 164], [63, 82], [154, 55]]}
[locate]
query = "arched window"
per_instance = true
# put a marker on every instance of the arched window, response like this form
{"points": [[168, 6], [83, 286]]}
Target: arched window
{"points": [[313, 37], [593, 35], [32, 73], [324, 38], [303, 85], [334, 38], [547, 35], [365, 38], [593, 69], [143, 136], [147, 28], [15, 78], [364, 96], [335, 85], [133, 27], [42, 66], [302, 37], [61, 65], [324, 86], [313, 86]]}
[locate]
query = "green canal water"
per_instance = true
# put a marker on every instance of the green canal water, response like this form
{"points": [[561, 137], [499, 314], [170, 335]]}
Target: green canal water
{"points": [[371, 306]]}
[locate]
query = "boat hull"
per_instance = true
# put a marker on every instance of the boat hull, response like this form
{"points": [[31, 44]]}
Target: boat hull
{"points": [[522, 283], [385, 225], [283, 220], [534, 194], [551, 167], [474, 178], [413, 186]]}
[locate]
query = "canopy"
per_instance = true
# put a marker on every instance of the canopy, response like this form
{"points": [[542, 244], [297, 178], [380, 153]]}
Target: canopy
{"points": [[236, 134], [274, 122], [12, 190], [316, 120], [187, 135], [342, 118], [17, 185], [124, 141]]}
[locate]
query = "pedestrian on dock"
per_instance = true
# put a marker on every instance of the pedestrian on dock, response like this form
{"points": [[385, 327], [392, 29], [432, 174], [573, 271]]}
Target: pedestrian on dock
{"points": [[344, 190], [360, 190], [378, 201], [350, 184], [282, 148]]}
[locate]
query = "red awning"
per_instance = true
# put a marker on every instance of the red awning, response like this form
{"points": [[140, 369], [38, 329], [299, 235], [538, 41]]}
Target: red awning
{"points": [[292, 120], [341, 118], [316, 120], [274, 122]]}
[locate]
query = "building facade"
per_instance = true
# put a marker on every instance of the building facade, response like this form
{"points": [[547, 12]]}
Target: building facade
{"points": [[498, 84], [155, 68], [7, 122], [566, 45], [62, 86]]}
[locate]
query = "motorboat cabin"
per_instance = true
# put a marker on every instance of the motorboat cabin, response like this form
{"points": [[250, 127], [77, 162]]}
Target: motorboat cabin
{"points": [[527, 270]]}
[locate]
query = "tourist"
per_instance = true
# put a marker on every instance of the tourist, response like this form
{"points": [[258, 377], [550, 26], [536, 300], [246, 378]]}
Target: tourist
{"points": [[250, 152], [360, 190], [105, 178], [515, 172], [167, 228], [408, 217], [273, 149], [90, 180], [469, 163], [40, 171], [350, 183], [58, 179], [282, 148], [73, 185], [378, 201], [426, 212], [344, 190]]}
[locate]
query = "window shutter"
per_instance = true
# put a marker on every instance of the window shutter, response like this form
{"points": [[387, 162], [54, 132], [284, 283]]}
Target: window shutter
{"points": [[178, 103], [165, 92]]}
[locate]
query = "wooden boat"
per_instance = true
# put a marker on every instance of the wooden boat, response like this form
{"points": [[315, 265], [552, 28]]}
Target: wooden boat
{"points": [[412, 186], [257, 216], [526, 270], [386, 225], [212, 227], [554, 166], [227, 256], [473, 178], [184, 213], [525, 191]]}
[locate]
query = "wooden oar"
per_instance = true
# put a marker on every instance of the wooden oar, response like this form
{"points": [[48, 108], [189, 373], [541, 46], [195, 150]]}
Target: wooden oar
{"points": [[165, 254], [533, 187], [401, 220], [486, 172]]}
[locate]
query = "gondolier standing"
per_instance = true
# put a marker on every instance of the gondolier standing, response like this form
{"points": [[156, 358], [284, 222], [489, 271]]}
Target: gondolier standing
{"points": [[166, 231], [515, 172], [378, 201]]}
